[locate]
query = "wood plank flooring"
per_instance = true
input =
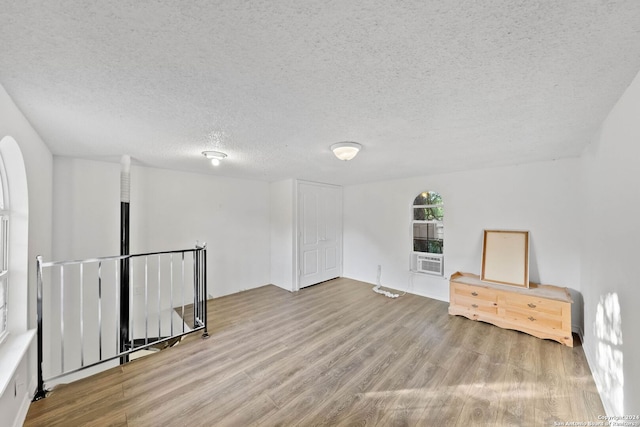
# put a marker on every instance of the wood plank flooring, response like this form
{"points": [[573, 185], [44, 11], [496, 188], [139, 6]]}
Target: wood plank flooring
{"points": [[336, 354]]}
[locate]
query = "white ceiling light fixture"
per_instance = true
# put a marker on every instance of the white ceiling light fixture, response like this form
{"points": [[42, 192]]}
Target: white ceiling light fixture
{"points": [[346, 150], [214, 156]]}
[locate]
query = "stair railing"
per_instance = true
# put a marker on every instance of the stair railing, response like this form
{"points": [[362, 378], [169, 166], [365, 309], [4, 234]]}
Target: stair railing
{"points": [[79, 302]]}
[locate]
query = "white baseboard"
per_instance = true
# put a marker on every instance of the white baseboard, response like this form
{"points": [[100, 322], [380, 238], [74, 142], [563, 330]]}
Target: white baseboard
{"points": [[578, 330], [409, 290], [608, 409]]}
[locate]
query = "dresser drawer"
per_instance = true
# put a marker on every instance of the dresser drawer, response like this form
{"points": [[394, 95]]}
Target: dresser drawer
{"points": [[475, 305], [534, 320], [546, 307], [460, 290]]}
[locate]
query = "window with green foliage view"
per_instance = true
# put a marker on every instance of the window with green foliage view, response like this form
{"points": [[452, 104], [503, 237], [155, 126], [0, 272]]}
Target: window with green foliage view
{"points": [[428, 229]]}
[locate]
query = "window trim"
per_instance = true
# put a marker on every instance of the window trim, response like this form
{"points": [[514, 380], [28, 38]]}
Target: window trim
{"points": [[4, 252], [19, 337], [419, 259]]}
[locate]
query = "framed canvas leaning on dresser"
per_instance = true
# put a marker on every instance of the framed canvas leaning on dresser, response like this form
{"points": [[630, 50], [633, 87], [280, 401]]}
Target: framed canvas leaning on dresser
{"points": [[505, 257]]}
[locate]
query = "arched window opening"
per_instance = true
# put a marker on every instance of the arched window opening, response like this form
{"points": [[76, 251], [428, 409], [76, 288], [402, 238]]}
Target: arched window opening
{"points": [[14, 235], [4, 252], [428, 233]]}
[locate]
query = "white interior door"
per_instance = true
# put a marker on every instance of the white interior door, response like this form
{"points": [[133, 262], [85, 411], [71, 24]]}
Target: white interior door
{"points": [[319, 233]]}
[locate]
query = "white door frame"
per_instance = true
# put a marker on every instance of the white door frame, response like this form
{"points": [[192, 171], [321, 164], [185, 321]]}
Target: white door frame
{"points": [[297, 231]]}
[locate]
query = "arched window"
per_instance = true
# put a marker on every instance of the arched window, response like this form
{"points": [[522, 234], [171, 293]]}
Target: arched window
{"points": [[14, 235], [428, 233], [4, 251]]}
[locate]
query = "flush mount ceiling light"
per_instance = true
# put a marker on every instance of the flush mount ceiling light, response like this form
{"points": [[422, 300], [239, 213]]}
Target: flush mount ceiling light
{"points": [[346, 150], [214, 156]]}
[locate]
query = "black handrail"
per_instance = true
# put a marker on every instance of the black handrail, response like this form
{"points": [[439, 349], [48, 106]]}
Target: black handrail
{"points": [[124, 280], [126, 344]]}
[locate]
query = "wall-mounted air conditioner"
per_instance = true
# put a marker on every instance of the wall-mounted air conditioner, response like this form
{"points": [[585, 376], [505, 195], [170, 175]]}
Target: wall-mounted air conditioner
{"points": [[430, 263]]}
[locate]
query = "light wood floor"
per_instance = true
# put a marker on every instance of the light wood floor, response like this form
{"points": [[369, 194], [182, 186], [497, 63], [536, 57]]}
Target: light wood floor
{"points": [[336, 354]]}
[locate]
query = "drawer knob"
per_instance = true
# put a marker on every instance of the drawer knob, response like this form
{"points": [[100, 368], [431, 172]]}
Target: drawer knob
{"points": [[531, 318], [531, 305], [475, 294], [474, 305]]}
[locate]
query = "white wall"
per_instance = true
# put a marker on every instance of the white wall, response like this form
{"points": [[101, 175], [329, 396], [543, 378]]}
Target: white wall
{"points": [[38, 165], [169, 210], [86, 209], [539, 197], [230, 215], [282, 213], [610, 253]]}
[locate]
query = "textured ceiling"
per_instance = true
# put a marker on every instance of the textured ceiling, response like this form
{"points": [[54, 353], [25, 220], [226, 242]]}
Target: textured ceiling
{"points": [[425, 86]]}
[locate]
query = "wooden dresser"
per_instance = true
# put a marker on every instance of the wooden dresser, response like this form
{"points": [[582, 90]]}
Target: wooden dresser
{"points": [[543, 311]]}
